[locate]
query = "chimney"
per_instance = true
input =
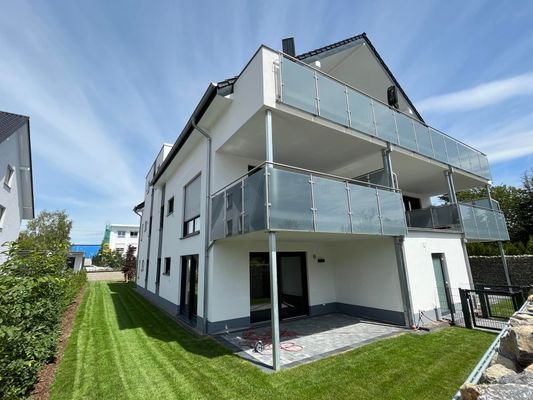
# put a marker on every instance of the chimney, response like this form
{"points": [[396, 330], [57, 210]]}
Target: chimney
{"points": [[288, 46]]}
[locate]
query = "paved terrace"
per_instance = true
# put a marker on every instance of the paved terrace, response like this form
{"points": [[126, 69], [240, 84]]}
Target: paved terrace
{"points": [[308, 339]]}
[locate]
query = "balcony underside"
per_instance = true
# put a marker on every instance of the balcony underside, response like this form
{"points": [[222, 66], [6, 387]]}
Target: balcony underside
{"points": [[309, 142]]}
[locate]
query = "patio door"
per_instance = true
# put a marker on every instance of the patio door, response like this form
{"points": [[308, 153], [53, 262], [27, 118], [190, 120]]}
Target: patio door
{"points": [[189, 286], [292, 286], [442, 283]]}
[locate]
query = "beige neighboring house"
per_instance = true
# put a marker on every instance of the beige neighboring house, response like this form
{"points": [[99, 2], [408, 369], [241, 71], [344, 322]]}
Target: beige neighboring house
{"points": [[16, 181]]}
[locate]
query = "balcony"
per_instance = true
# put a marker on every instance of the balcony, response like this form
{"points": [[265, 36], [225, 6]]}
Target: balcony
{"points": [[476, 219], [435, 217], [315, 92], [305, 201]]}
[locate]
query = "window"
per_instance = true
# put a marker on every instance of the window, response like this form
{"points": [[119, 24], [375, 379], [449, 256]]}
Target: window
{"points": [[119, 250], [8, 179], [191, 215], [167, 266], [145, 225], [134, 234], [2, 214], [170, 206], [134, 248], [142, 265], [121, 234]]}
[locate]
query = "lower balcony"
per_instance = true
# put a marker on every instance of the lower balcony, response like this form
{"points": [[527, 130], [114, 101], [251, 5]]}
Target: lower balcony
{"points": [[293, 199], [479, 220]]}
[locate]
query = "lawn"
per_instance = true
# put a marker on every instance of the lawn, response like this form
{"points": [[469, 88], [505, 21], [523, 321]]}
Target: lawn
{"points": [[122, 347]]}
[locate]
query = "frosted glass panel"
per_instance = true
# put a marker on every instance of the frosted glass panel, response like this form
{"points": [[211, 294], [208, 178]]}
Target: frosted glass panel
{"points": [[386, 126], [392, 213], [365, 213], [234, 210], [332, 100], [469, 221], [290, 199], [331, 203], [482, 224], [406, 132], [217, 216], [299, 86], [254, 202], [361, 115], [452, 151], [438, 145], [423, 138]]}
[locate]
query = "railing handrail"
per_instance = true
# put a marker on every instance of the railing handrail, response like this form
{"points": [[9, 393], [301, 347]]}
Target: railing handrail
{"points": [[481, 207], [377, 100], [308, 171]]}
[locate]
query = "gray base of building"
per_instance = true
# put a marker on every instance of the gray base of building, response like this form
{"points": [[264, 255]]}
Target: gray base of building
{"points": [[228, 325]]}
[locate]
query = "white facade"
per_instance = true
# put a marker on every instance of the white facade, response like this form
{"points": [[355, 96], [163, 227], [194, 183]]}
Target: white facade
{"points": [[365, 271], [122, 235], [16, 191]]}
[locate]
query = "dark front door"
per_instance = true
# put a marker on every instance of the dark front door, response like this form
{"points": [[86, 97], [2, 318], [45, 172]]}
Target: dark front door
{"points": [[292, 286], [189, 286]]}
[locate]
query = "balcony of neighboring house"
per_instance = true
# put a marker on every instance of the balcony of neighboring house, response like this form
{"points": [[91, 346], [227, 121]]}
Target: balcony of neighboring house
{"points": [[283, 198], [478, 219]]}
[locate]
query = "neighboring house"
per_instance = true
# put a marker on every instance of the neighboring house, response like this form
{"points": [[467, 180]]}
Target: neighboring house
{"points": [[16, 181], [87, 250], [321, 163], [75, 260], [120, 236]]}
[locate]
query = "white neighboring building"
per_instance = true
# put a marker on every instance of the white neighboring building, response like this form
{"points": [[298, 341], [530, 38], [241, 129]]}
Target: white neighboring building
{"points": [[120, 236], [16, 182]]}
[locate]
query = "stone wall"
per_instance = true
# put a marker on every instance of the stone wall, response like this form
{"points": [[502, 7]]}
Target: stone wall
{"points": [[490, 270]]}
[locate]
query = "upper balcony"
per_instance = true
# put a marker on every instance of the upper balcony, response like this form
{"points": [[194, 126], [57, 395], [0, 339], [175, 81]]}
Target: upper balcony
{"points": [[310, 90]]}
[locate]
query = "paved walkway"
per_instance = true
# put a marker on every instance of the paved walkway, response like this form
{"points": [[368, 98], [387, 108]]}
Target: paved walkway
{"points": [[114, 276], [309, 339]]}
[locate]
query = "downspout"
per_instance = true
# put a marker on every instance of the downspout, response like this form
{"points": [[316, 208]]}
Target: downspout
{"points": [[207, 219]]}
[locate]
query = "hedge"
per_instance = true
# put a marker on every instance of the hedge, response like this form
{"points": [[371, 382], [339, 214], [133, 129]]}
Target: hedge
{"points": [[31, 311]]}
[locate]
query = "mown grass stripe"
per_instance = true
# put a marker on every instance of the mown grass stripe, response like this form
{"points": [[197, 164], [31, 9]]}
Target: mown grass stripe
{"points": [[123, 347]]}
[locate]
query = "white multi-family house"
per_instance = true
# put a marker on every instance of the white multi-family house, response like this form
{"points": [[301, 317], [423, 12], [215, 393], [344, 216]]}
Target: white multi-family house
{"points": [[16, 181], [303, 186], [120, 236]]}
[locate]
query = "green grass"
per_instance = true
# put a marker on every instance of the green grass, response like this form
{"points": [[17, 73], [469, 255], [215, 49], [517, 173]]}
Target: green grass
{"points": [[502, 309], [124, 348]]}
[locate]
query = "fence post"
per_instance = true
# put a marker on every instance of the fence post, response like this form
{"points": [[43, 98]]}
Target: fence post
{"points": [[484, 303], [463, 294]]}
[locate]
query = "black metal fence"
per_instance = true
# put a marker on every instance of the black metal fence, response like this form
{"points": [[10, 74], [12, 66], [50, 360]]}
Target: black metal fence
{"points": [[490, 306]]}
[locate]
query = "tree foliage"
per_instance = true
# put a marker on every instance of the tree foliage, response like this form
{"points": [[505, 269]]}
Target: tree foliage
{"points": [[130, 264], [109, 258]]}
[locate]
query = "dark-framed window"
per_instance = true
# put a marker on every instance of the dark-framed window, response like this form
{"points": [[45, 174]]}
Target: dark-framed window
{"points": [[191, 208], [170, 206], [134, 234], [168, 263]]}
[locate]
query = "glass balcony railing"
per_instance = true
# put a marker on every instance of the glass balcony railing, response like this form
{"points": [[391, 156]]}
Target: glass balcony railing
{"points": [[311, 90], [436, 217], [301, 200], [483, 223]]}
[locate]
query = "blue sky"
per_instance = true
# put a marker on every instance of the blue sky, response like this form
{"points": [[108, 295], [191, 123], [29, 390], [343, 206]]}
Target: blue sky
{"points": [[107, 82]]}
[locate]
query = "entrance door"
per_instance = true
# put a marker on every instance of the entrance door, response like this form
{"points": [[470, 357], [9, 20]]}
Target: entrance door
{"points": [[292, 286], [441, 278], [189, 286]]}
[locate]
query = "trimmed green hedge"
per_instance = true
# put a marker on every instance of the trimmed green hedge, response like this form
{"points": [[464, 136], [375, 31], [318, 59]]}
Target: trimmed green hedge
{"points": [[31, 311]]}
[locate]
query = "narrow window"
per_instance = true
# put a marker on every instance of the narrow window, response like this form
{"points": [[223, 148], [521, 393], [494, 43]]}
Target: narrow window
{"points": [[2, 214], [167, 266], [170, 206], [191, 216], [10, 173]]}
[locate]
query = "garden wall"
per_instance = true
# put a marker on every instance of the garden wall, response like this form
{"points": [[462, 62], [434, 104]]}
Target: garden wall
{"points": [[489, 269]]}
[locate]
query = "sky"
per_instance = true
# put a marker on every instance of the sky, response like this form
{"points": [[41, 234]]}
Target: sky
{"points": [[105, 83]]}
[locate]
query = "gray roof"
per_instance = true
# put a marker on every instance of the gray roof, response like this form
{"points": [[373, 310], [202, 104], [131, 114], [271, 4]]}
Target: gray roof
{"points": [[9, 123]]}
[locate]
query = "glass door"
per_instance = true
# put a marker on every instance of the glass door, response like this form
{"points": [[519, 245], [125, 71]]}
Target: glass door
{"points": [[189, 286]]}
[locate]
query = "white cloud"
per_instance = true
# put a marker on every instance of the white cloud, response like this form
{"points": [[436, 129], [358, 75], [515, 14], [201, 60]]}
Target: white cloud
{"points": [[484, 95]]}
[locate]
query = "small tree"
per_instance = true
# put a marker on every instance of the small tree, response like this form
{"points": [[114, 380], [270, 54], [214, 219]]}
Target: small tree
{"points": [[130, 264]]}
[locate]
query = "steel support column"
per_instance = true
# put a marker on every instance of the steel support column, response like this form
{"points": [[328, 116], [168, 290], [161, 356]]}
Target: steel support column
{"points": [[274, 308], [387, 166]]}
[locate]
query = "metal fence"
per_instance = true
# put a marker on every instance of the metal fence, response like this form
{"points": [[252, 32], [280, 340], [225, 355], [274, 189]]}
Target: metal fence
{"points": [[490, 307]]}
